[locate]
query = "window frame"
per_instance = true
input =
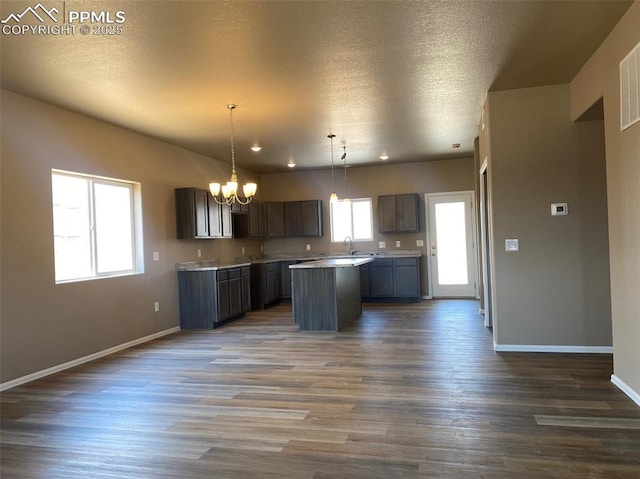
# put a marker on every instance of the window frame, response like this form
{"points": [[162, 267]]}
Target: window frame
{"points": [[135, 206], [352, 201]]}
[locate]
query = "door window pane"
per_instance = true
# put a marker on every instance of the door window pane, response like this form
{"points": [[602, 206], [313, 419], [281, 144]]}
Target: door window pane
{"points": [[451, 243]]}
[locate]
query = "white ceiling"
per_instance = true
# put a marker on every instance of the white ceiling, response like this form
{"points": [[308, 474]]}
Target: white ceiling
{"points": [[406, 78]]}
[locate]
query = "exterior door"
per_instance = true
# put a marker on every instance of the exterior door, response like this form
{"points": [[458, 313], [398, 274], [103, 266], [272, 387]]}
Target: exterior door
{"points": [[450, 239]]}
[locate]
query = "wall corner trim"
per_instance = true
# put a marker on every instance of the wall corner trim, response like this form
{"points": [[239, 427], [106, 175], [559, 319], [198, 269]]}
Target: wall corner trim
{"points": [[547, 348], [625, 388], [85, 359]]}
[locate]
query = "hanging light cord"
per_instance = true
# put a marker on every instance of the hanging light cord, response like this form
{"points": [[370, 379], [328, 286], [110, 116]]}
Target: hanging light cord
{"points": [[331, 137], [344, 157]]}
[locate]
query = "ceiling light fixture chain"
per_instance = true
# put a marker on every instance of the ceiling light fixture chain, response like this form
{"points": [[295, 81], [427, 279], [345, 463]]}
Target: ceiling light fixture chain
{"points": [[230, 190]]}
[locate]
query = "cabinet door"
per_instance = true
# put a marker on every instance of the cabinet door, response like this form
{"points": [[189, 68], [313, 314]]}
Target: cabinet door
{"points": [[235, 296], [387, 214], [293, 219], [246, 293], [273, 282], [407, 213], [365, 288], [262, 220], [406, 272], [191, 213], [223, 300], [254, 219], [225, 214], [215, 218], [285, 278], [312, 218], [275, 219], [381, 278]]}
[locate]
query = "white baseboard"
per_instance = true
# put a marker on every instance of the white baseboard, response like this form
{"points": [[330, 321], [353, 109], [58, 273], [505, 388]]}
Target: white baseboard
{"points": [[543, 348], [85, 359], [625, 388]]}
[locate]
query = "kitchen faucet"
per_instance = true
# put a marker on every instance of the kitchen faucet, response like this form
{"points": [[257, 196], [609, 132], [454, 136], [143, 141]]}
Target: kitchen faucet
{"points": [[351, 251]]}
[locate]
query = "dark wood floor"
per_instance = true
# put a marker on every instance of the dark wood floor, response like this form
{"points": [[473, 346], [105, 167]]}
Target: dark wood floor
{"points": [[411, 391]]}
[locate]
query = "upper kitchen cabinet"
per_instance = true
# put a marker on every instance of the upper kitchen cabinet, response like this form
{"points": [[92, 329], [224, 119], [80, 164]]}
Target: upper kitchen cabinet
{"points": [[398, 213], [303, 218], [199, 216], [275, 219]]}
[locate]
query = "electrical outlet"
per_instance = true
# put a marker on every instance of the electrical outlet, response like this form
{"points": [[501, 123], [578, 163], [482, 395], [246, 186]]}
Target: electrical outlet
{"points": [[243, 250], [199, 253], [156, 256], [308, 247], [262, 248], [156, 306], [397, 244], [381, 244]]}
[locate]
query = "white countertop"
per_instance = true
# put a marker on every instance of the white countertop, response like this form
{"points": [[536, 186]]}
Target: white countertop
{"points": [[332, 263]]}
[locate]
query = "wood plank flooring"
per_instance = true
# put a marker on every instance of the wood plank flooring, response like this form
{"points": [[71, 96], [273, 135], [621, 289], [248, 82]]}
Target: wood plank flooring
{"points": [[409, 391]]}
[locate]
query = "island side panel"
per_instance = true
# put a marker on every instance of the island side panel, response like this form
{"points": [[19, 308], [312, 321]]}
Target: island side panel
{"points": [[349, 301], [314, 299]]}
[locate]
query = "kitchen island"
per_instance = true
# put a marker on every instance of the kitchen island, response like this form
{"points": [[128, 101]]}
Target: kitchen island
{"points": [[325, 294]]}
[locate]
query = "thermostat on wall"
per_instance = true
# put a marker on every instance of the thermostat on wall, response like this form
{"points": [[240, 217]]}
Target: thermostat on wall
{"points": [[559, 209]]}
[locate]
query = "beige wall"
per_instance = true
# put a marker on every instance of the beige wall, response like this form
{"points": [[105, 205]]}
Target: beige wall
{"points": [[44, 324], [555, 290], [367, 182], [600, 78]]}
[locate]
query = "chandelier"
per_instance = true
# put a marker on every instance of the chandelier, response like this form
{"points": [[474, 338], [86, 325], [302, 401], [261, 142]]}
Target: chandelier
{"points": [[230, 189]]}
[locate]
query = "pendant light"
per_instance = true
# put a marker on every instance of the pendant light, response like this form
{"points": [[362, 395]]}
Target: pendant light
{"points": [[333, 197], [344, 158], [230, 190]]}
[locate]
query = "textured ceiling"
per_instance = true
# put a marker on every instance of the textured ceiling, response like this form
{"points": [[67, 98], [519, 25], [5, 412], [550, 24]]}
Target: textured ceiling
{"points": [[406, 78]]}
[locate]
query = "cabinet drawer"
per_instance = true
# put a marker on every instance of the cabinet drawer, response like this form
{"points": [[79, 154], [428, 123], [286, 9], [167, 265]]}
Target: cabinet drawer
{"points": [[271, 267], [223, 275], [235, 273], [405, 261], [246, 271], [382, 262]]}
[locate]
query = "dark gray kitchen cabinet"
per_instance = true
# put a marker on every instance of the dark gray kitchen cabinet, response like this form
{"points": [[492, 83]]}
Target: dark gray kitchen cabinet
{"points": [[303, 218], [365, 287], [293, 218], [391, 279], [398, 213], [381, 277], [246, 288], [406, 277], [199, 216], [275, 219], [235, 292], [257, 216], [265, 284], [312, 218], [207, 298], [285, 279], [192, 213]]}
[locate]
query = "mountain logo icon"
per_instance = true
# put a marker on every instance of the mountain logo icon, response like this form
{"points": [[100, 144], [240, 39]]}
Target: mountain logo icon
{"points": [[39, 11]]}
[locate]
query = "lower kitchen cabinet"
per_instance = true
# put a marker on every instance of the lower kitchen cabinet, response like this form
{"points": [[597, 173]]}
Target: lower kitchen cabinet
{"points": [[208, 298], [265, 284], [391, 279]]}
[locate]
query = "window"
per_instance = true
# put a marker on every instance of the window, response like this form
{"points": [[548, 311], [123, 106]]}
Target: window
{"points": [[97, 227], [351, 218]]}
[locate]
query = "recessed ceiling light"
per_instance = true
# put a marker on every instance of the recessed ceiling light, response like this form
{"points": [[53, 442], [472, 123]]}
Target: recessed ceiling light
{"points": [[384, 157], [256, 148], [455, 146], [291, 163]]}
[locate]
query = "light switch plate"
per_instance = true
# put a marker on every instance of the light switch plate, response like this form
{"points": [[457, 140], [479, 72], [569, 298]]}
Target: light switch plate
{"points": [[419, 243], [397, 244], [381, 244], [199, 253], [308, 247], [511, 245], [156, 256]]}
